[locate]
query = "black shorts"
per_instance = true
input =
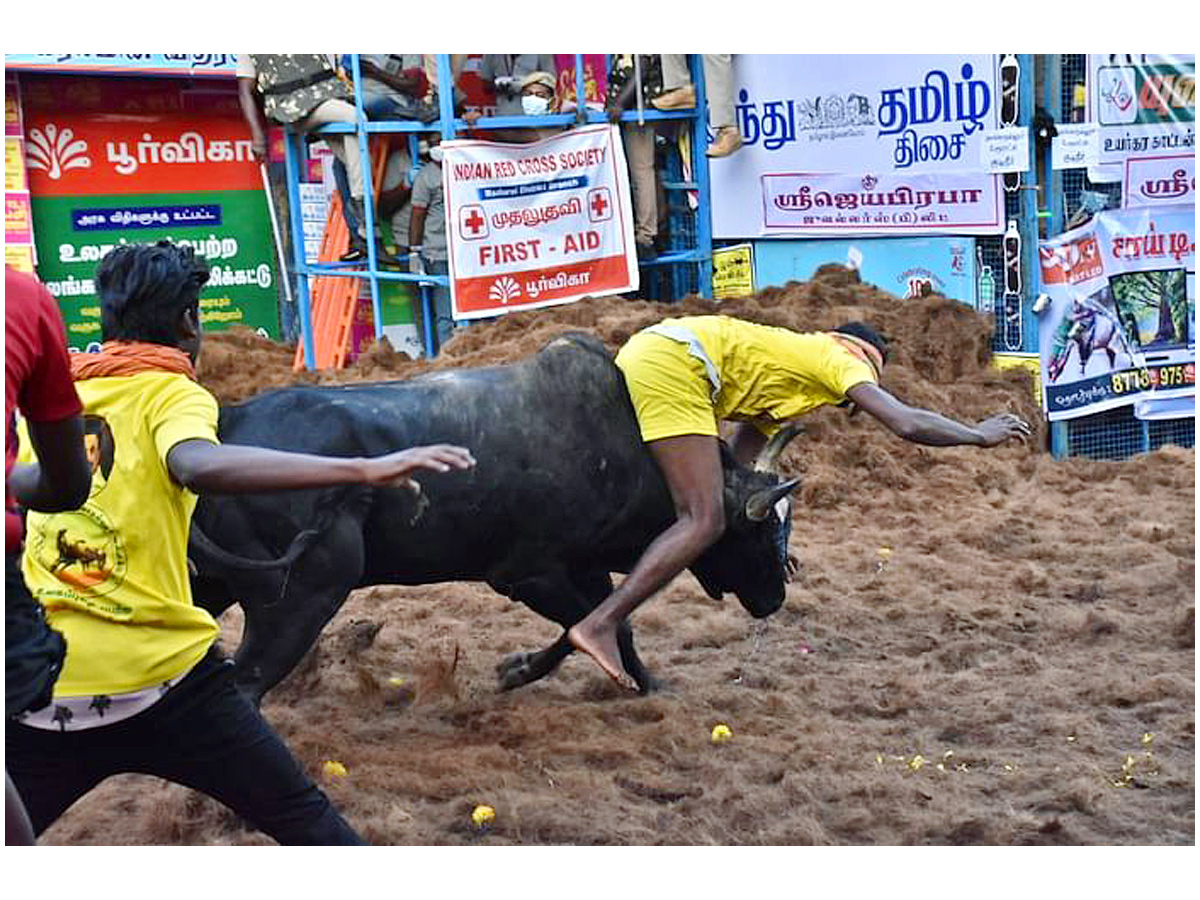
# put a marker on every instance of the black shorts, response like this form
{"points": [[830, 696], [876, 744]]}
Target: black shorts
{"points": [[33, 651]]}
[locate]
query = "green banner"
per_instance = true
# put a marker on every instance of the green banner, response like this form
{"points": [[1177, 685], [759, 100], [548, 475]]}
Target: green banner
{"points": [[231, 229]]}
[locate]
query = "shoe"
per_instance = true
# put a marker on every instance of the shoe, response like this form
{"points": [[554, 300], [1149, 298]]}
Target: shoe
{"points": [[728, 141], [679, 98], [645, 251]]}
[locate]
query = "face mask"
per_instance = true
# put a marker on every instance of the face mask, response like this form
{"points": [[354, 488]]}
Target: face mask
{"points": [[435, 153], [534, 105]]}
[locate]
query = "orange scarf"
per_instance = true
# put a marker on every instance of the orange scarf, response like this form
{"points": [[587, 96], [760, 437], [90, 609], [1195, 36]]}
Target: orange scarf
{"points": [[130, 358], [861, 350]]}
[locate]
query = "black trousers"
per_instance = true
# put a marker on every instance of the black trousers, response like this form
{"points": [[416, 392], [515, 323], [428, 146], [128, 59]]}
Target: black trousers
{"points": [[203, 734], [33, 651]]}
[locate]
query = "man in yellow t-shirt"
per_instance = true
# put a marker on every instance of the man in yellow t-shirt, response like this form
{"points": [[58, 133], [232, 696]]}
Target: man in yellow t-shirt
{"points": [[686, 374], [143, 688]]}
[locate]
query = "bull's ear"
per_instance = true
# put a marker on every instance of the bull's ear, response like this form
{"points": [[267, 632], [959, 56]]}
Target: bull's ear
{"points": [[759, 504]]}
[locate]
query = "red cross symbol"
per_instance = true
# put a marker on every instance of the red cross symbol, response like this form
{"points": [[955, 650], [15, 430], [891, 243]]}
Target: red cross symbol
{"points": [[599, 205], [472, 223]]}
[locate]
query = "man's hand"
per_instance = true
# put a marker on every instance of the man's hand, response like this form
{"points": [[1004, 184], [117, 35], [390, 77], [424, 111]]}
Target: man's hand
{"points": [[505, 85], [394, 469], [258, 146], [999, 428]]}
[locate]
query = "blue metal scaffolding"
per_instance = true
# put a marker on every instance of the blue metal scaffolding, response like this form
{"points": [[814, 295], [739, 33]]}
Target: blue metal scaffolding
{"points": [[698, 256]]}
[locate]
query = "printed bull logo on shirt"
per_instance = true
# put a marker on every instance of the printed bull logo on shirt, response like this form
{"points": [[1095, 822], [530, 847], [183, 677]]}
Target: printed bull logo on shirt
{"points": [[80, 548]]}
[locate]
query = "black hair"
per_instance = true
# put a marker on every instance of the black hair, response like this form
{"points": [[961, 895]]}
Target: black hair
{"points": [[145, 288], [867, 333]]}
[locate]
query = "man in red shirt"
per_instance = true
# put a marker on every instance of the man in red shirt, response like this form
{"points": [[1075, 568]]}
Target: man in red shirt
{"points": [[37, 381]]}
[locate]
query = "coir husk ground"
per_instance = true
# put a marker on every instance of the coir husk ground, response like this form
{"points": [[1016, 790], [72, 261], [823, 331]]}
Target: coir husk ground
{"points": [[986, 646]]}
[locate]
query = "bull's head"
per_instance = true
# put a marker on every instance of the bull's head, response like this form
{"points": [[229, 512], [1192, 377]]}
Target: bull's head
{"points": [[750, 559]]}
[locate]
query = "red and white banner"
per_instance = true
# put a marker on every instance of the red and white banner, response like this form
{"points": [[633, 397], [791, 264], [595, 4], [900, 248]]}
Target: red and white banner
{"points": [[879, 204], [532, 225], [1160, 180]]}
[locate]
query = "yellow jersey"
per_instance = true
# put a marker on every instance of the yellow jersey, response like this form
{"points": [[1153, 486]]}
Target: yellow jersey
{"points": [[113, 575]]}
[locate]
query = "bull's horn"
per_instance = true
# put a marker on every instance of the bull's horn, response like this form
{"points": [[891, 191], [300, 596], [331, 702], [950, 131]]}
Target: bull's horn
{"points": [[758, 506], [769, 455]]}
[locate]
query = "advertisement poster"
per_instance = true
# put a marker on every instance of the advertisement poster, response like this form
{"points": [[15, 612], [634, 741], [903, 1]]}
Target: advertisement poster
{"points": [[818, 205], [595, 80], [733, 271], [18, 215], [184, 173], [829, 123], [1120, 324], [538, 224], [1159, 181], [906, 267], [1144, 103]]}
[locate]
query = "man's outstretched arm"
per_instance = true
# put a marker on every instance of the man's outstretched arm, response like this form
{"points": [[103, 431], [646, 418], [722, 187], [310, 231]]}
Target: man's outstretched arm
{"points": [[205, 467], [922, 426]]}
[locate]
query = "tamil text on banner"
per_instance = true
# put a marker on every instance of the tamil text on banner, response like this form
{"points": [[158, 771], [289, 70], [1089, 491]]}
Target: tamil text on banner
{"points": [[1120, 323], [174, 165], [129, 63], [537, 224], [1145, 104], [1159, 181], [834, 121], [837, 204]]}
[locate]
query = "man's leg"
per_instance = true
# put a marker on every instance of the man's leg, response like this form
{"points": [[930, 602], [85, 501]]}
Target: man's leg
{"points": [[342, 181], [675, 72], [208, 737], [443, 311], [718, 87], [639, 148], [18, 830], [51, 770], [691, 464], [344, 147]]}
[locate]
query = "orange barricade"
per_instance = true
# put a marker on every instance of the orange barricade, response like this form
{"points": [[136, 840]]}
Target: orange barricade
{"points": [[332, 300]]}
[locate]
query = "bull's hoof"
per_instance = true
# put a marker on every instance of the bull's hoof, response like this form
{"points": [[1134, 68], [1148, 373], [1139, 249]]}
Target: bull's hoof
{"points": [[516, 670]]}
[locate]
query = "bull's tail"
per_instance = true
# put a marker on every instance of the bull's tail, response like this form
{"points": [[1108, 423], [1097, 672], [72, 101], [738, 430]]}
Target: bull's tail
{"points": [[201, 545]]}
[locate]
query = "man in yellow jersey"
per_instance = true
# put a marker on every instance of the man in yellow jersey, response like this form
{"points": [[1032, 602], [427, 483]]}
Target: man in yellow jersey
{"points": [[143, 689], [687, 374]]}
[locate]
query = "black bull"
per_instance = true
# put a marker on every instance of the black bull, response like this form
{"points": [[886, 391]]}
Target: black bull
{"points": [[563, 494]]}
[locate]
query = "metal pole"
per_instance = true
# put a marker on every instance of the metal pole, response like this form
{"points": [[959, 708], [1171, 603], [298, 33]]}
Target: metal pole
{"points": [[703, 184], [364, 155], [581, 115], [1029, 213], [292, 161], [1052, 76]]}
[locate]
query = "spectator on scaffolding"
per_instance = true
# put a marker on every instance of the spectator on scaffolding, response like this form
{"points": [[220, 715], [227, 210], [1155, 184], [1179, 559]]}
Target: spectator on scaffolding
{"points": [[427, 237], [679, 93], [305, 91], [394, 87], [625, 75], [505, 73]]}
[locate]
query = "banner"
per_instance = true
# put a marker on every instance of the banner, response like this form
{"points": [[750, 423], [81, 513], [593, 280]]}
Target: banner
{"points": [[1159, 181], [906, 267], [1120, 323], [837, 121], [537, 224], [733, 271], [185, 173], [185, 64], [1144, 103], [18, 216], [836, 204]]}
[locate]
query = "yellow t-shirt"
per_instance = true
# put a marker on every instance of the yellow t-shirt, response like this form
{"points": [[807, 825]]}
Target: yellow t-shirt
{"points": [[113, 575], [766, 375]]}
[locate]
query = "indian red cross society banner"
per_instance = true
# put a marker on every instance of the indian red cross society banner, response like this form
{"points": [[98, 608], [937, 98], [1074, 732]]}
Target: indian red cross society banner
{"points": [[532, 225]]}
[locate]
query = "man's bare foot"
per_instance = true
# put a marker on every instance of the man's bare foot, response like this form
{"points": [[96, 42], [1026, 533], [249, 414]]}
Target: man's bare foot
{"points": [[602, 647]]}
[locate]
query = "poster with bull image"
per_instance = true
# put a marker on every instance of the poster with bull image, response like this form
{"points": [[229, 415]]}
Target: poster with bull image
{"points": [[1119, 326], [537, 224]]}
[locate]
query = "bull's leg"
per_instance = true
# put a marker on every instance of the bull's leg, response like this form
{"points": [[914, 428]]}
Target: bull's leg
{"points": [[566, 600], [279, 631]]}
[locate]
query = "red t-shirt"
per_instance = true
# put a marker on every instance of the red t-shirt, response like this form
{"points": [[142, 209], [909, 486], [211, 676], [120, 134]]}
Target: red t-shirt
{"points": [[37, 373]]}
